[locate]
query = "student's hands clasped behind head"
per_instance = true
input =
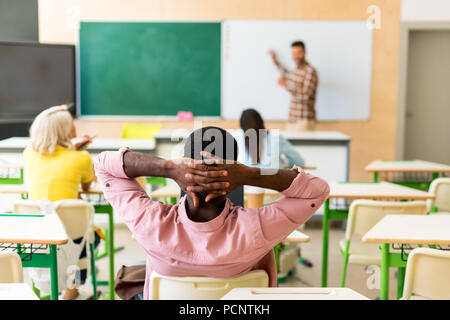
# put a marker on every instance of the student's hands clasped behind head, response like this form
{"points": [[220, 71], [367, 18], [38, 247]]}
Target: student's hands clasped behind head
{"points": [[207, 178], [211, 181], [234, 175]]}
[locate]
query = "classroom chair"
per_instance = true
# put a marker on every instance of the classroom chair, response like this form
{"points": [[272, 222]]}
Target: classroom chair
{"points": [[11, 174], [440, 188], [363, 215], [76, 216], [427, 274], [202, 288], [11, 268]]}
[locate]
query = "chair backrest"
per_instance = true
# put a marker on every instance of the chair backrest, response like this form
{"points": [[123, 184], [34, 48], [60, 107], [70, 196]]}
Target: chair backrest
{"points": [[75, 214], [202, 288], [427, 274], [364, 214], [139, 131], [26, 207], [10, 268], [440, 188]]}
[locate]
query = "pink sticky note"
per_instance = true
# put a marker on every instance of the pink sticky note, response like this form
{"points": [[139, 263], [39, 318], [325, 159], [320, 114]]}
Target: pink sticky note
{"points": [[185, 115]]}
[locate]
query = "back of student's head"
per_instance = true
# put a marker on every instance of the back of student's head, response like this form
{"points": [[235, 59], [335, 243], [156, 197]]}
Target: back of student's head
{"points": [[253, 126], [50, 128], [251, 119], [214, 140]]}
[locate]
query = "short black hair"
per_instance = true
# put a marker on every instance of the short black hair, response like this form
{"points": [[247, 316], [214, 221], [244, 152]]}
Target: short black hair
{"points": [[298, 44], [214, 140]]}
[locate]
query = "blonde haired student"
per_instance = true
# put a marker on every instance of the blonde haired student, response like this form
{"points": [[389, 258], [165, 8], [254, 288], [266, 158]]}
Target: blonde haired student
{"points": [[54, 167]]}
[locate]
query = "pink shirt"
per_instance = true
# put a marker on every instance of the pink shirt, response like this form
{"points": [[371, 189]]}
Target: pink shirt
{"points": [[235, 242]]}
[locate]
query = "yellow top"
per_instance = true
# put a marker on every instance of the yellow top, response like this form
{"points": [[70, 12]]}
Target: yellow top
{"points": [[57, 176]]}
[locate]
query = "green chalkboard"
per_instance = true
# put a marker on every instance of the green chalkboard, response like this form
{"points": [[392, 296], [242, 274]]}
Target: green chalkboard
{"points": [[149, 68]]}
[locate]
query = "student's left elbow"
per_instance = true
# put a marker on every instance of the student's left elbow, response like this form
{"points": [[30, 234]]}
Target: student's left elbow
{"points": [[325, 191]]}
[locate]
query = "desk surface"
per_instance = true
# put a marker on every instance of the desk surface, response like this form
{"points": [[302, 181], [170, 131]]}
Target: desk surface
{"points": [[32, 230], [13, 188], [16, 291], [411, 229], [177, 134], [22, 189], [18, 144], [406, 166], [10, 166], [293, 294], [297, 236], [375, 190]]}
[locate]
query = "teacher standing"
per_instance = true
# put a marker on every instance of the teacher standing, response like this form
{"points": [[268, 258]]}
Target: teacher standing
{"points": [[301, 84]]}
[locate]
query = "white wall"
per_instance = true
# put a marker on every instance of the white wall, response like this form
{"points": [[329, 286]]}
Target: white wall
{"points": [[425, 10]]}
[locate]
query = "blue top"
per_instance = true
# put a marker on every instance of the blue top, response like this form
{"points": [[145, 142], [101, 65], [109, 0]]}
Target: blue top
{"points": [[276, 149]]}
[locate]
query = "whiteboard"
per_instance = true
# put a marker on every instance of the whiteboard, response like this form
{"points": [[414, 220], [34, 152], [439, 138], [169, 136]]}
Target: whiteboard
{"points": [[341, 52]]}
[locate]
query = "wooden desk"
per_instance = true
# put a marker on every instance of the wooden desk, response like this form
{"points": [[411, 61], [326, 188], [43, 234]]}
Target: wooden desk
{"points": [[375, 190], [13, 189], [98, 145], [36, 230], [16, 291], [408, 166], [100, 208], [297, 237], [360, 190], [10, 166], [293, 294], [32, 229], [405, 229], [171, 190]]}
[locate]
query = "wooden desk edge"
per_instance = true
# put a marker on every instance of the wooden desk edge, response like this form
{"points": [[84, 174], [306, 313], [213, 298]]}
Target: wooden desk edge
{"points": [[407, 170], [22, 241], [405, 241], [169, 195], [417, 197], [298, 240]]}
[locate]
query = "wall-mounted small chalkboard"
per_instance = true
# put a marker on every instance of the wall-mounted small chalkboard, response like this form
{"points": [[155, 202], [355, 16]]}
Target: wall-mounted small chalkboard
{"points": [[150, 68]]}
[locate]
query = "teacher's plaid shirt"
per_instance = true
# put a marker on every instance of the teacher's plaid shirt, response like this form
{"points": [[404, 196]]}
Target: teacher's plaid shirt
{"points": [[301, 84]]}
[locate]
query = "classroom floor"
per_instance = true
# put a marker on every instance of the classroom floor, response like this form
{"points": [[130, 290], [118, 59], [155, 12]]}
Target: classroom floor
{"points": [[357, 276]]}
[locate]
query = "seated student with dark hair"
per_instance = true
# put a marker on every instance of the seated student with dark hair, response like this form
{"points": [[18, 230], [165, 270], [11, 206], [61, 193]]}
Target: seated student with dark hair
{"points": [[204, 234], [264, 153]]}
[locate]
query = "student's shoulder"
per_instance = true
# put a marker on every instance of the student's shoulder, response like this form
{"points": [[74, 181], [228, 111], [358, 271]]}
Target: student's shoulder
{"points": [[28, 150], [29, 153]]}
